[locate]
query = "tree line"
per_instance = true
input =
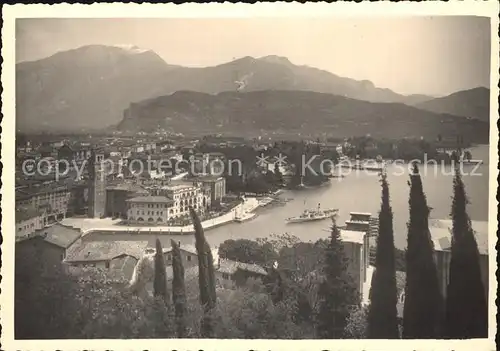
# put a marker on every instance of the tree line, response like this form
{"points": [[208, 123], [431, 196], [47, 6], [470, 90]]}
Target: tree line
{"points": [[426, 315]]}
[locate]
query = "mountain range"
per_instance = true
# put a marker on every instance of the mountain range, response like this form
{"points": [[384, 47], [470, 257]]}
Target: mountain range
{"points": [[473, 103], [92, 86], [292, 113]]}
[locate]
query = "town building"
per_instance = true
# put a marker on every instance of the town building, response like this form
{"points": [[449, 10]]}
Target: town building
{"points": [[184, 195], [232, 274], [216, 187], [97, 187], [50, 199], [78, 201], [52, 242], [104, 254], [357, 236], [47, 150], [119, 273], [364, 222], [117, 196], [441, 236], [354, 250], [28, 220], [76, 153], [152, 210], [189, 255]]}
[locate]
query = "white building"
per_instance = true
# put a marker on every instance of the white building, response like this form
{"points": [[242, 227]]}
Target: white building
{"points": [[28, 220], [149, 209], [185, 196]]}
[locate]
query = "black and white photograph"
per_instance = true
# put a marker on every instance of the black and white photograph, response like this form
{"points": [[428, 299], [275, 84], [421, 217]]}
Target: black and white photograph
{"points": [[228, 176]]}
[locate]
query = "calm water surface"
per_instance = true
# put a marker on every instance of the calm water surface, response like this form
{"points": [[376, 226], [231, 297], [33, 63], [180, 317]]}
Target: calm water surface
{"points": [[359, 192]]}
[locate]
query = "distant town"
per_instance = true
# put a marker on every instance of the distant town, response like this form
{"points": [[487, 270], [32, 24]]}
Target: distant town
{"points": [[57, 177]]}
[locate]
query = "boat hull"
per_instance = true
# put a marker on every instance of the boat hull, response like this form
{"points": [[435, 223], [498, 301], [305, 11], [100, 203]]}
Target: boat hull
{"points": [[302, 220]]}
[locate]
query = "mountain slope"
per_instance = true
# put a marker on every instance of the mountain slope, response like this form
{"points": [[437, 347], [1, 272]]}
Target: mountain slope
{"points": [[292, 113], [473, 103], [85, 87], [89, 87], [278, 73]]}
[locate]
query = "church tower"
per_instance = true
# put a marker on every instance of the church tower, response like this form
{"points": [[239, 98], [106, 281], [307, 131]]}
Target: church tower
{"points": [[97, 186]]}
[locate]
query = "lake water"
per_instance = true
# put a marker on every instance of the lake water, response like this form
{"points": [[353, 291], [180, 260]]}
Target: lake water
{"points": [[359, 192]]}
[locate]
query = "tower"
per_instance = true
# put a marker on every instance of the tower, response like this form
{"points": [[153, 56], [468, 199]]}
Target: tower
{"points": [[97, 186]]}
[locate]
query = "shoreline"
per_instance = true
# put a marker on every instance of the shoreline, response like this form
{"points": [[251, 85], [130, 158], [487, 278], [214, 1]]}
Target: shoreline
{"points": [[105, 226]]}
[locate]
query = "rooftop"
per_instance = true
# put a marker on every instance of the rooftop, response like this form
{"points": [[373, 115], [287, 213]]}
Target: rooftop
{"points": [[174, 186], [132, 187], [230, 267], [151, 199], [441, 234], [167, 249], [59, 235], [119, 271], [39, 189], [92, 251]]}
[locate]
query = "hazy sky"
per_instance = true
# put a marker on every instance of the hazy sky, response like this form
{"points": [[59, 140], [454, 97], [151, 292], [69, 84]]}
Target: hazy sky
{"points": [[428, 55]]}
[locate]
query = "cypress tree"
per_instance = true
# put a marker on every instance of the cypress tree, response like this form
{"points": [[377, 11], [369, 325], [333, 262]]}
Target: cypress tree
{"points": [[466, 306], [160, 277], [382, 315], [423, 299], [337, 293], [206, 275], [161, 310], [178, 291]]}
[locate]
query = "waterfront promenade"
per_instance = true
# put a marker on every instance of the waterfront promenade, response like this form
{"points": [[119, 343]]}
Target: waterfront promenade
{"points": [[108, 225]]}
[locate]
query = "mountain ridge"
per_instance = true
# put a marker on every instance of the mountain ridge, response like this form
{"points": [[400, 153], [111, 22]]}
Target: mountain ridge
{"points": [[91, 86], [470, 103], [282, 112]]}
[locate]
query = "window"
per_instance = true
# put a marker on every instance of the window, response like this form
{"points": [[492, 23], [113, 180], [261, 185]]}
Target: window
{"points": [[107, 264], [189, 258], [169, 257], [225, 276]]}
